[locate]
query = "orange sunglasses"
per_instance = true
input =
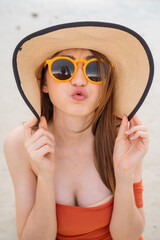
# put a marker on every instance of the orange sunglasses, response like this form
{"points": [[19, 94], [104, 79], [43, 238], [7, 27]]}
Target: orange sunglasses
{"points": [[63, 69]]}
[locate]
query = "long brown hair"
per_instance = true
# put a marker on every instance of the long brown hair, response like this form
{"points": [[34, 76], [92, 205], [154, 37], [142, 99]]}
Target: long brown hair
{"points": [[104, 122]]}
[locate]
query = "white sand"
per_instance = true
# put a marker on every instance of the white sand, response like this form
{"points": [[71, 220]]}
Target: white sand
{"points": [[16, 21]]}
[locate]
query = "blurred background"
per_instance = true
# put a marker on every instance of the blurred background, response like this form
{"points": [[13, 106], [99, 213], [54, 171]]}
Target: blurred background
{"points": [[19, 18]]}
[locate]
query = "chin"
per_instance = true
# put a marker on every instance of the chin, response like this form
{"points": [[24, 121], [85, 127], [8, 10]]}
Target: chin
{"points": [[80, 113]]}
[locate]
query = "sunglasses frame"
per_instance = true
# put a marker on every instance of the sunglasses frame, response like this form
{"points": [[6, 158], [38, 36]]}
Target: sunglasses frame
{"points": [[74, 61]]}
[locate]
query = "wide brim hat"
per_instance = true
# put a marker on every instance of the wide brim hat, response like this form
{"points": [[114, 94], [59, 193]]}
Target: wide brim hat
{"points": [[126, 49]]}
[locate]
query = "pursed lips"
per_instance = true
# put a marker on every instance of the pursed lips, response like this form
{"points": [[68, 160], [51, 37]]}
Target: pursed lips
{"points": [[80, 92]]}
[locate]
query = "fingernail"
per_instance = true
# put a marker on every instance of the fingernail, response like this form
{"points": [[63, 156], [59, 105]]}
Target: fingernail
{"points": [[128, 131], [132, 137]]}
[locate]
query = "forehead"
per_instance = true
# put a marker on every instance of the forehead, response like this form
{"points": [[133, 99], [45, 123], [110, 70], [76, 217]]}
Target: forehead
{"points": [[76, 52]]}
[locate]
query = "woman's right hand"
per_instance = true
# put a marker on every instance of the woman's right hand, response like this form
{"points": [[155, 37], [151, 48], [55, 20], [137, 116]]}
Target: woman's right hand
{"points": [[40, 146]]}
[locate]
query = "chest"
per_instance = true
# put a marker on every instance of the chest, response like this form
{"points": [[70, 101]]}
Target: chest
{"points": [[77, 181]]}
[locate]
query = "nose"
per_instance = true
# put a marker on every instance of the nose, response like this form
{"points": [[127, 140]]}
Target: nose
{"points": [[79, 78]]}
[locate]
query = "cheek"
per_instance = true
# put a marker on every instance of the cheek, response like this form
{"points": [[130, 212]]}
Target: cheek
{"points": [[57, 93], [96, 92], [95, 95], [52, 89]]}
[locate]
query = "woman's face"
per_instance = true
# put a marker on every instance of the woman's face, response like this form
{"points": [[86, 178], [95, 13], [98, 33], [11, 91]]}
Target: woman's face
{"points": [[61, 93]]}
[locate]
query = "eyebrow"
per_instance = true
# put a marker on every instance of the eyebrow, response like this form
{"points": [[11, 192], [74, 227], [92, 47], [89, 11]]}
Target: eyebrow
{"points": [[87, 58]]}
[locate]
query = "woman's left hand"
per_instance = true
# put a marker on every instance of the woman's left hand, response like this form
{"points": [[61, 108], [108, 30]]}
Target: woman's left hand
{"points": [[128, 153]]}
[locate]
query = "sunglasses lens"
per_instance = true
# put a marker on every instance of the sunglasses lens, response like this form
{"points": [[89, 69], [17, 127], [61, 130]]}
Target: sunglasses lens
{"points": [[94, 69], [62, 69]]}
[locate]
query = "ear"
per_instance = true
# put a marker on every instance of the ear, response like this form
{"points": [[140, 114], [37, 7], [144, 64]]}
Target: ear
{"points": [[45, 88]]}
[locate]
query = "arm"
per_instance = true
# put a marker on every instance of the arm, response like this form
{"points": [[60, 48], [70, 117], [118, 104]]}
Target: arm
{"points": [[127, 221], [137, 178], [35, 198], [41, 223]]}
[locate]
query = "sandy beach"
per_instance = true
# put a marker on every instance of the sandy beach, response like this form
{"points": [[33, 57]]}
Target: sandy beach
{"points": [[19, 18]]}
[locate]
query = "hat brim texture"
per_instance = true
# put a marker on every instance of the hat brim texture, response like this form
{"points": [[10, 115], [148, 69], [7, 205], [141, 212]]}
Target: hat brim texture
{"points": [[127, 50]]}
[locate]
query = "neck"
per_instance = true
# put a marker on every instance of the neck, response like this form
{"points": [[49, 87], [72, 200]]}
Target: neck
{"points": [[64, 131]]}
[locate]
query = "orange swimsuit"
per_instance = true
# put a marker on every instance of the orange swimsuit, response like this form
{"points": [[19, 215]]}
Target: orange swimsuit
{"points": [[92, 223]]}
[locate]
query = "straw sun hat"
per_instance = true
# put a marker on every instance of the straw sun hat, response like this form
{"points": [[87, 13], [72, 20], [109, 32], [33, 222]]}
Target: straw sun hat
{"points": [[127, 50]]}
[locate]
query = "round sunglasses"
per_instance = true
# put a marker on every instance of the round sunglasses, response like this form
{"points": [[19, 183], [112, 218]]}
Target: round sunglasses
{"points": [[63, 69]]}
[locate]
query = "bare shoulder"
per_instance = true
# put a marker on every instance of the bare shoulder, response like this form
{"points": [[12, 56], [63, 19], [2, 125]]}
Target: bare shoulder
{"points": [[16, 136], [16, 155], [14, 144], [14, 131], [23, 178]]}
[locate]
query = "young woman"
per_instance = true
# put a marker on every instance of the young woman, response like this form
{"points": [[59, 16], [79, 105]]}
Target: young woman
{"points": [[77, 172]]}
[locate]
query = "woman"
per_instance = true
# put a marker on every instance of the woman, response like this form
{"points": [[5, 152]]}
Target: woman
{"points": [[77, 174]]}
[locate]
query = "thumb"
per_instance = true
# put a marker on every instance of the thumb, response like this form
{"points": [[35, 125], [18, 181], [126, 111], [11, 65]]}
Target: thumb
{"points": [[123, 126], [43, 123]]}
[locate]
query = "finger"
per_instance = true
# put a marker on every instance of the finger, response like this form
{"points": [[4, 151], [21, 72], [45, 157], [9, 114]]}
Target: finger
{"points": [[42, 151], [42, 132], [123, 127], [132, 123], [27, 129], [136, 120], [140, 134], [44, 140], [43, 123], [137, 128]]}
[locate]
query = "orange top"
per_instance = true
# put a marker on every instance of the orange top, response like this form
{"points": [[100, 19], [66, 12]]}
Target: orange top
{"points": [[75, 223]]}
